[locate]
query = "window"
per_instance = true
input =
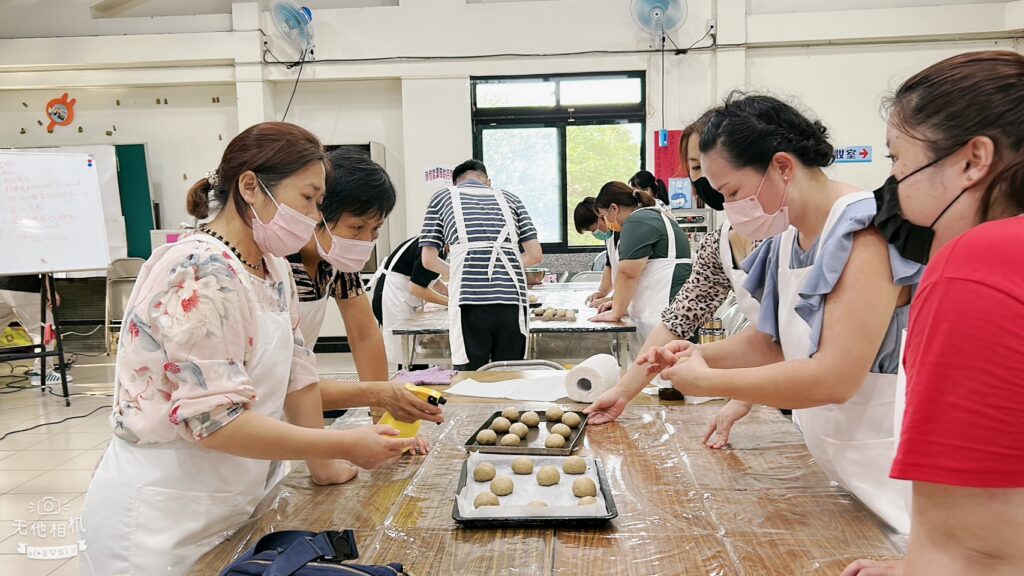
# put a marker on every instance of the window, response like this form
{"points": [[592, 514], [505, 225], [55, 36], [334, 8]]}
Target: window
{"points": [[555, 140]]}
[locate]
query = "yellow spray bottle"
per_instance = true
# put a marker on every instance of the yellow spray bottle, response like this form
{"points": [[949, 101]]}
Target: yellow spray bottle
{"points": [[410, 429]]}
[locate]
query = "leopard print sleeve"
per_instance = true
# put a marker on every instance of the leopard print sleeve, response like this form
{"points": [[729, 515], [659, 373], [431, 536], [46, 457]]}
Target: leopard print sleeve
{"points": [[704, 291]]}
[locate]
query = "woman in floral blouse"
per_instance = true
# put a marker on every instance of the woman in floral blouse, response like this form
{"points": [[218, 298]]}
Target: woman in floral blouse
{"points": [[213, 384]]}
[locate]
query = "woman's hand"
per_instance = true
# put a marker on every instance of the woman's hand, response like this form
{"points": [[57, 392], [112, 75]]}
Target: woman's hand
{"points": [[327, 472], [406, 406], [689, 373], [607, 407], [722, 424], [606, 315], [371, 446], [422, 446], [659, 358], [596, 299], [874, 568]]}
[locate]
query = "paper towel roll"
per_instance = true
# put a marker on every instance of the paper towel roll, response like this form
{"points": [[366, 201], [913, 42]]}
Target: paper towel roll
{"points": [[592, 377]]}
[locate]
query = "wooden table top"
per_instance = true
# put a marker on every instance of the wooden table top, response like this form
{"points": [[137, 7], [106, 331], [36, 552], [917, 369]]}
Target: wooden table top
{"points": [[761, 508], [569, 295]]}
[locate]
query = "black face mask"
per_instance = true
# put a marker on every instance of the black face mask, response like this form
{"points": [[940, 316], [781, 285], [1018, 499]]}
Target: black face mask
{"points": [[912, 241], [713, 198]]}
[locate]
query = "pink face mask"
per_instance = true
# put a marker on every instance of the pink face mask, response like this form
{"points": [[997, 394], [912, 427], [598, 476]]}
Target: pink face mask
{"points": [[749, 219], [345, 255], [286, 233]]}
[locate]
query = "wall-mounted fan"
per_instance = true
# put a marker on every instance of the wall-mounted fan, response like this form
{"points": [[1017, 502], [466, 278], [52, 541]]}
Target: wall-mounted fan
{"points": [[293, 22], [657, 17]]}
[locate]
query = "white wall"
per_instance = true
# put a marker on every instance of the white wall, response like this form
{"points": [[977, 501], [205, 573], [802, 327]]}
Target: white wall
{"points": [[420, 109], [354, 112], [850, 102], [184, 138]]}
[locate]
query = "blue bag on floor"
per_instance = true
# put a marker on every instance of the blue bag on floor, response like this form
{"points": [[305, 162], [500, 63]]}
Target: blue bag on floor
{"points": [[301, 553]]}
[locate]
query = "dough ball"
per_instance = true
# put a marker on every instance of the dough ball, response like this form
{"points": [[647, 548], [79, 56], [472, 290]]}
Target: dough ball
{"points": [[522, 465], [483, 472], [587, 501], [530, 418], [560, 314], [549, 314], [561, 430], [570, 317], [554, 441], [500, 424], [486, 437], [485, 499], [538, 504], [539, 311], [554, 414], [511, 414], [502, 486], [571, 419], [574, 465], [510, 440], [548, 476], [519, 429], [582, 487]]}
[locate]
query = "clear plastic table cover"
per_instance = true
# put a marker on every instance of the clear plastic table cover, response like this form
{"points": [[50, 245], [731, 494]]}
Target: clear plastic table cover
{"points": [[760, 508]]}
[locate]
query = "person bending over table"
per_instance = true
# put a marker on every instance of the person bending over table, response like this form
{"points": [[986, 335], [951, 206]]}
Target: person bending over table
{"points": [[586, 219]]}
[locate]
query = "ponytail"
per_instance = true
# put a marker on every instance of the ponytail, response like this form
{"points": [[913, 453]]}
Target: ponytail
{"points": [[198, 199], [621, 194], [644, 180], [644, 198]]}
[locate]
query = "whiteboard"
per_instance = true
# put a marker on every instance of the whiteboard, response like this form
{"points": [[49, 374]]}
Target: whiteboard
{"points": [[51, 214], [105, 157]]}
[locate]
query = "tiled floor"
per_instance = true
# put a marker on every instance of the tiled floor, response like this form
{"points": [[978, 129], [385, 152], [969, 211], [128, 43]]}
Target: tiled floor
{"points": [[45, 472]]}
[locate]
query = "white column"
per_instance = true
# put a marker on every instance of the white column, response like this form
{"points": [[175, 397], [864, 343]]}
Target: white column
{"points": [[255, 97], [436, 131], [730, 69]]}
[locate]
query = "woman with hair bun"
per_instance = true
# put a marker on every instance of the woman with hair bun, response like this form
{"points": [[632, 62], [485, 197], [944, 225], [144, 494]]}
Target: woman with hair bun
{"points": [[832, 303], [213, 386]]}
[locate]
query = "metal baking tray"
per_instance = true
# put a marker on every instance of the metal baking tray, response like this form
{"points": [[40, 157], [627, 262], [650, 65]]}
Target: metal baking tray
{"points": [[534, 441], [535, 318], [602, 480]]}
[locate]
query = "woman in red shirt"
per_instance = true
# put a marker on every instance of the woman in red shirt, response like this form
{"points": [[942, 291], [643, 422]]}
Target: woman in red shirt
{"points": [[955, 197]]}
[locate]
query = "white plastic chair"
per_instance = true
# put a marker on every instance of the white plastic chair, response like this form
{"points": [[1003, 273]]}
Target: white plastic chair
{"points": [[120, 281]]}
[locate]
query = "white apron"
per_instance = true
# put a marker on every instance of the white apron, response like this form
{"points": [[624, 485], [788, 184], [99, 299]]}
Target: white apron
{"points": [[311, 315], [749, 306], [852, 442], [156, 509], [509, 237], [396, 303], [654, 289], [613, 255]]}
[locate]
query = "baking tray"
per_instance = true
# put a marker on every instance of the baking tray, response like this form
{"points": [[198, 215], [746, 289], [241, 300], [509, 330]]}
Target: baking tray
{"points": [[534, 441], [535, 318], [577, 521]]}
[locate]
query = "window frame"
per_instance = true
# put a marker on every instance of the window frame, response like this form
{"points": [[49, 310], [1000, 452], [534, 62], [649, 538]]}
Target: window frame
{"points": [[560, 117]]}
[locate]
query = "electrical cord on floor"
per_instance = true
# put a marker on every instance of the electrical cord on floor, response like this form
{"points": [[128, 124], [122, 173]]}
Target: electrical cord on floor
{"points": [[78, 394], [94, 330], [17, 379], [79, 417]]}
